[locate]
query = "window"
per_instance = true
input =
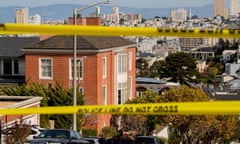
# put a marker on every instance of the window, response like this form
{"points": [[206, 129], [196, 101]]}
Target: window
{"points": [[122, 63], [46, 68], [7, 67], [122, 93], [79, 69], [104, 94], [104, 67]]}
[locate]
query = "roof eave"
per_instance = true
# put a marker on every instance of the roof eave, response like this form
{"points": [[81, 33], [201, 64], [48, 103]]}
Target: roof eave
{"points": [[70, 51]]}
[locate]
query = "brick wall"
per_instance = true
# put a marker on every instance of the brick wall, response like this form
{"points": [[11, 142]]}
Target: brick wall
{"points": [[60, 69], [85, 21], [92, 78]]}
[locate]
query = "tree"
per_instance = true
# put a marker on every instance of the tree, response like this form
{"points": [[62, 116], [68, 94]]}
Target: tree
{"points": [[109, 132], [142, 67], [18, 133], [190, 128], [142, 124], [212, 72], [179, 67], [52, 96], [194, 17], [187, 129], [155, 67], [215, 67]]}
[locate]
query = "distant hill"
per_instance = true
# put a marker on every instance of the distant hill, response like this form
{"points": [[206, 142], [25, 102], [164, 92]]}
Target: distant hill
{"points": [[63, 11]]}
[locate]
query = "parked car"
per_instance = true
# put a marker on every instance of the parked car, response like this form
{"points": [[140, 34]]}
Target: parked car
{"points": [[35, 131], [96, 140], [59, 136], [119, 141], [147, 140]]}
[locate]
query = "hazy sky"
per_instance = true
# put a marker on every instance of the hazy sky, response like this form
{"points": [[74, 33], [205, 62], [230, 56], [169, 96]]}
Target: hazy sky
{"points": [[130, 3]]}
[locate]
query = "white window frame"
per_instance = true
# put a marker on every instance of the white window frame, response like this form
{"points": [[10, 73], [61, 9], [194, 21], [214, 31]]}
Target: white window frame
{"points": [[40, 68], [104, 94], [122, 87], [122, 63], [104, 67], [71, 69]]}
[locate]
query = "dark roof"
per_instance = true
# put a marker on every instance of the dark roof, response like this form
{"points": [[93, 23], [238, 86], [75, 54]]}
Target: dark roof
{"points": [[65, 43], [146, 80], [11, 46]]}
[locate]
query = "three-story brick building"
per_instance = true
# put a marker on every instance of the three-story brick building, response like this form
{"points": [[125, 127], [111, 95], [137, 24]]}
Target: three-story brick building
{"points": [[105, 69]]}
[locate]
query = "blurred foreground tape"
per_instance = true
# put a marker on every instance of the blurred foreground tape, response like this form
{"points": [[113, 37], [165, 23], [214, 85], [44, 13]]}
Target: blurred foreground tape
{"points": [[179, 108], [11, 28]]}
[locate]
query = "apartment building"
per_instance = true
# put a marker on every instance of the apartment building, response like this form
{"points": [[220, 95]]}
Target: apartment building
{"points": [[220, 9], [21, 15], [234, 8], [187, 43], [105, 69], [178, 15]]}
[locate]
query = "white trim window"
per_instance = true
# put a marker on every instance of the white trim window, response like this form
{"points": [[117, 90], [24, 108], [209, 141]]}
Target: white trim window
{"points": [[104, 67], [45, 68], [79, 73], [122, 63], [121, 93], [104, 95]]}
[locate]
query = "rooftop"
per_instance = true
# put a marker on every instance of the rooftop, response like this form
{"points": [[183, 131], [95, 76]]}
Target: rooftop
{"points": [[84, 43], [11, 46]]}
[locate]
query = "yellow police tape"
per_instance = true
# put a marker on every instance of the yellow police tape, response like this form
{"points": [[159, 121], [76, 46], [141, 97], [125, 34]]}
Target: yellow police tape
{"points": [[183, 108], [10, 28], [169, 108]]}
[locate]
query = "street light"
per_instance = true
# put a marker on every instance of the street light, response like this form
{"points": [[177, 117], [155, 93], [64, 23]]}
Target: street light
{"points": [[75, 11]]}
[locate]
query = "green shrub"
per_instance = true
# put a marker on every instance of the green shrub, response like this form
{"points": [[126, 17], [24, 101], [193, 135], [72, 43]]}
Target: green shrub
{"points": [[109, 132], [89, 132]]}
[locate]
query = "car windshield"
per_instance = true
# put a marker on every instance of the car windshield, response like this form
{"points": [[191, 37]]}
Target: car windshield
{"points": [[54, 134]]}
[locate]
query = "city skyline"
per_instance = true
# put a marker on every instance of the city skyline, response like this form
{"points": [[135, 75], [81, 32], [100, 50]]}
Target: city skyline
{"points": [[132, 3]]}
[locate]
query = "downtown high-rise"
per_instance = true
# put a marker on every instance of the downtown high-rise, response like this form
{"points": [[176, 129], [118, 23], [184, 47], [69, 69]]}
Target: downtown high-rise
{"points": [[21, 15], [219, 8], [234, 7]]}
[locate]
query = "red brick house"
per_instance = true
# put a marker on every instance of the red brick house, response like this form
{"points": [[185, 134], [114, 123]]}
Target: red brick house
{"points": [[105, 69]]}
